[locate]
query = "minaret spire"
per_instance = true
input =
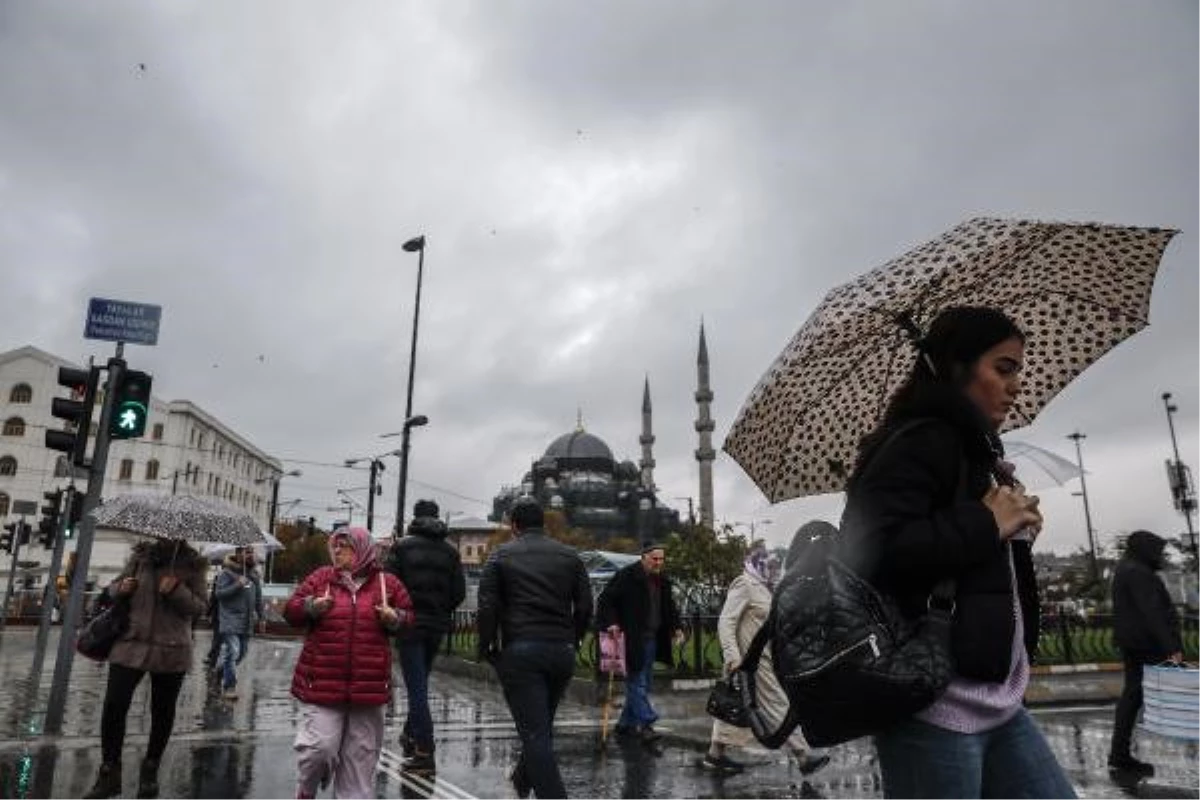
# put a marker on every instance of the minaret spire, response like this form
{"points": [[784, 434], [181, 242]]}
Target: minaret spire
{"points": [[647, 439], [704, 427]]}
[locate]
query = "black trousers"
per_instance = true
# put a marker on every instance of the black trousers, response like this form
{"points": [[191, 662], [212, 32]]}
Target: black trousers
{"points": [[164, 692], [535, 675], [1127, 707]]}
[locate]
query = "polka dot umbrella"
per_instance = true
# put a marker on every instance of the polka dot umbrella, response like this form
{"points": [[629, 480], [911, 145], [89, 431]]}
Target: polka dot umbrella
{"points": [[1075, 289], [182, 516]]}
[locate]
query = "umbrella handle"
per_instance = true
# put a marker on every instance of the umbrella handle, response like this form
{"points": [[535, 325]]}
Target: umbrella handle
{"points": [[382, 588]]}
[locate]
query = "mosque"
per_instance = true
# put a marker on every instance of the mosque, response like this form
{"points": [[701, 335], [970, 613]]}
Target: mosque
{"points": [[579, 476]]}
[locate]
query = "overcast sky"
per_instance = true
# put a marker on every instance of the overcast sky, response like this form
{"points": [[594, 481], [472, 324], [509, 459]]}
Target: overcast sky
{"points": [[593, 179]]}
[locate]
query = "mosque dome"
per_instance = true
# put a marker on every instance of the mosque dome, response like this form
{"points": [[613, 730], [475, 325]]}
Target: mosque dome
{"points": [[578, 445]]}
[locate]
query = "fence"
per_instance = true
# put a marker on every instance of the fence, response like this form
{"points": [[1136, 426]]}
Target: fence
{"points": [[1063, 640]]}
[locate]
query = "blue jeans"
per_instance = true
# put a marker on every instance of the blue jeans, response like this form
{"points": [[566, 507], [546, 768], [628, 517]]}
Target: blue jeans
{"points": [[922, 760], [637, 711], [233, 650], [416, 661], [535, 674]]}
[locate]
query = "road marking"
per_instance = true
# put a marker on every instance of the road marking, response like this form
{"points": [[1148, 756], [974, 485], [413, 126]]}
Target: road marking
{"points": [[390, 764]]}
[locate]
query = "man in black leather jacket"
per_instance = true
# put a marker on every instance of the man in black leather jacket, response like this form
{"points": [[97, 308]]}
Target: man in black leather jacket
{"points": [[1146, 629], [431, 570], [535, 604]]}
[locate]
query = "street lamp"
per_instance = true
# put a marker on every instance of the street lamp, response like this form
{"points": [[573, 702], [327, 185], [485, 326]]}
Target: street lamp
{"points": [[413, 245], [1077, 437], [1180, 478], [406, 434]]}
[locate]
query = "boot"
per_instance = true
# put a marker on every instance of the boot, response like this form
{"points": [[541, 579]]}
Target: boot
{"points": [[108, 782], [1126, 763], [148, 779]]}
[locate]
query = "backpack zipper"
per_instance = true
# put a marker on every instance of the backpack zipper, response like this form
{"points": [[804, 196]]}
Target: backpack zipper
{"points": [[872, 641]]}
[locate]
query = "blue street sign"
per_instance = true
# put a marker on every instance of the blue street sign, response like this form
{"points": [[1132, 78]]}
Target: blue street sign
{"points": [[120, 321]]}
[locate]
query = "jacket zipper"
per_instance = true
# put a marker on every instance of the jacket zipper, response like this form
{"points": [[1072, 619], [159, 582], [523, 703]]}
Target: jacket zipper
{"points": [[350, 649], [871, 641]]}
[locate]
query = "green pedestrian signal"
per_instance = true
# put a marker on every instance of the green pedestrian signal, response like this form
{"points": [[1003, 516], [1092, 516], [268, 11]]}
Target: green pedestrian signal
{"points": [[131, 406]]}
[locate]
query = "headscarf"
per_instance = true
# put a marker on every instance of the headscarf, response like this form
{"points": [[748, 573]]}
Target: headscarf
{"points": [[756, 565], [365, 557]]}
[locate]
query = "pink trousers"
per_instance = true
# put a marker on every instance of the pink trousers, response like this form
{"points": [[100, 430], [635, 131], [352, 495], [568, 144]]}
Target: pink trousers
{"points": [[339, 744]]}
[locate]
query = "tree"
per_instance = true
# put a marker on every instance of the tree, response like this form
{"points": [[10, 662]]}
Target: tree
{"points": [[702, 564], [304, 550]]}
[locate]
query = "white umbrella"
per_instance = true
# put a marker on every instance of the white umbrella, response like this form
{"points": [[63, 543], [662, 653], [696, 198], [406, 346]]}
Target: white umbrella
{"points": [[1038, 468], [180, 517]]}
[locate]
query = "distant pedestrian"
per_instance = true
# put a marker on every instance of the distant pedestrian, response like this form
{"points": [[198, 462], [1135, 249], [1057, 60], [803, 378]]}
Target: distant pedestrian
{"points": [[1146, 629], [535, 605], [431, 570], [343, 678], [239, 607], [931, 501], [163, 587], [747, 603], [638, 601]]}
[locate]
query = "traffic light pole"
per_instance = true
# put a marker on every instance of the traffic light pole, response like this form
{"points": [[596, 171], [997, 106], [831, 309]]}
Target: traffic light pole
{"points": [[83, 552], [64, 521], [18, 534], [375, 465]]}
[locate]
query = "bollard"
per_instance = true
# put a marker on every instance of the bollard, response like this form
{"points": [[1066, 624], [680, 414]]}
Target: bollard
{"points": [[697, 648]]}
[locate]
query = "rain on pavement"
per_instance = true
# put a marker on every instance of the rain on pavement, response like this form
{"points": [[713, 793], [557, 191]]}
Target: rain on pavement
{"points": [[243, 748]]}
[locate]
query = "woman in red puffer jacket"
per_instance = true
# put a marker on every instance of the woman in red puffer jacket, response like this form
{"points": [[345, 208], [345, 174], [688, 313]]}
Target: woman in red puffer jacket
{"points": [[343, 678]]}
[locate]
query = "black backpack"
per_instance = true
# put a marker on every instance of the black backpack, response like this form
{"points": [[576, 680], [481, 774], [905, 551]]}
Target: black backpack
{"points": [[850, 663]]}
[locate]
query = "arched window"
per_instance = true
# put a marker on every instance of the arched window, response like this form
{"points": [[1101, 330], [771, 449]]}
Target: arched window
{"points": [[8, 466], [21, 393], [126, 472], [14, 426], [61, 468], [157, 432], [152, 470], [4, 503]]}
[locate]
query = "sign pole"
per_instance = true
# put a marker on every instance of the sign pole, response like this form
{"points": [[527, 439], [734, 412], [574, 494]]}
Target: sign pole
{"points": [[83, 552]]}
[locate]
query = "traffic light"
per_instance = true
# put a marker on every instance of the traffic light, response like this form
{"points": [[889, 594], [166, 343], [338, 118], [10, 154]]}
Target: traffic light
{"points": [[74, 515], [77, 410], [48, 524], [131, 405], [7, 538], [25, 531]]}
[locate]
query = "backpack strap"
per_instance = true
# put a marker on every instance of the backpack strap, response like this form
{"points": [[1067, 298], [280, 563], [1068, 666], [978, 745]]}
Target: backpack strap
{"points": [[749, 691]]}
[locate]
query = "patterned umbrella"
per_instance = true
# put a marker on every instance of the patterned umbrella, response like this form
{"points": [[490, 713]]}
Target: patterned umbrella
{"points": [[1076, 289], [1038, 468], [167, 516]]}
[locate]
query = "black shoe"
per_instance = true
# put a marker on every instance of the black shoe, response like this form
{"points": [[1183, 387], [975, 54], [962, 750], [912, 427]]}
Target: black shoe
{"points": [[148, 779], [624, 731], [108, 782], [1130, 765], [649, 734], [408, 745], [722, 765], [419, 762], [519, 781]]}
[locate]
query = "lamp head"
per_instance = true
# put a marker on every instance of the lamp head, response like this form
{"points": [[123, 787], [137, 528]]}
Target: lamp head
{"points": [[416, 421], [415, 244]]}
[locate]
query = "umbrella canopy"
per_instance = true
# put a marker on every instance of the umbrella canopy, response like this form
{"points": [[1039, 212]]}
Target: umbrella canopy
{"points": [[167, 516], [1075, 289], [1038, 468]]}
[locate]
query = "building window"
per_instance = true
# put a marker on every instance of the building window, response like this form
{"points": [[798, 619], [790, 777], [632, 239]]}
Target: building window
{"points": [[157, 433], [21, 393], [14, 426], [126, 473], [4, 502], [152, 470], [61, 468], [8, 466]]}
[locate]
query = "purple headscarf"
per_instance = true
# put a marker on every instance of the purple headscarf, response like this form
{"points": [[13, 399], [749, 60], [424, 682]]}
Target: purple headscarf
{"points": [[365, 557], [756, 565]]}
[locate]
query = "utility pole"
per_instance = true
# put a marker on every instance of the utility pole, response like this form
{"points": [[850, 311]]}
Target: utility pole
{"points": [[376, 468], [1181, 484], [1077, 437], [83, 552]]}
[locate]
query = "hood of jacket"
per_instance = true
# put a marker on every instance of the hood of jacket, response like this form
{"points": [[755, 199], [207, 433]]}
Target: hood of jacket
{"points": [[166, 553], [429, 527], [234, 565], [1145, 548]]}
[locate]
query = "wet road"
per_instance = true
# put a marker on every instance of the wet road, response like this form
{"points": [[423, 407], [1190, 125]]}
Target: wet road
{"points": [[243, 748]]}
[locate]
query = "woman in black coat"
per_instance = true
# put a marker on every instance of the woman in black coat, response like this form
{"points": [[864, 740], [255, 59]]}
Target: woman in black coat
{"points": [[932, 499]]}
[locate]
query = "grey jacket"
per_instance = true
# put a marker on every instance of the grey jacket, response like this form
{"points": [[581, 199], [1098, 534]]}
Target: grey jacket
{"points": [[239, 598]]}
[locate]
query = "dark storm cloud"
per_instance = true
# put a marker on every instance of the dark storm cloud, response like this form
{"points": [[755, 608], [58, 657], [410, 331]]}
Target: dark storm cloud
{"points": [[592, 179]]}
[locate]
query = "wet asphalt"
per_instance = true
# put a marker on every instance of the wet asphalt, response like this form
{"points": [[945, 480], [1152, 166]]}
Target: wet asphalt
{"points": [[243, 748]]}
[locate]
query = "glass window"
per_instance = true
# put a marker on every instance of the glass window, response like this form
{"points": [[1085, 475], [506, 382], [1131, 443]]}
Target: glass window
{"points": [[61, 468], [152, 470], [8, 466], [4, 502], [126, 470], [21, 393], [157, 433], [14, 426]]}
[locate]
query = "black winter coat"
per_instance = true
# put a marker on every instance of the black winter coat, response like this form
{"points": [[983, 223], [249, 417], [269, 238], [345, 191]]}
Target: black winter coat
{"points": [[431, 571], [917, 516], [533, 588], [625, 601], [1145, 623]]}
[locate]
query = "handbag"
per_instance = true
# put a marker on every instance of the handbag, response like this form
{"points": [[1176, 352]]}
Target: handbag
{"points": [[849, 661], [725, 702], [96, 639]]}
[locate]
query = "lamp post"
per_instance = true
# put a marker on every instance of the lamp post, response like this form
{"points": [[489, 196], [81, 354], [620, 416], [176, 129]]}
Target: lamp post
{"points": [[273, 510], [413, 245], [1181, 485], [1078, 437]]}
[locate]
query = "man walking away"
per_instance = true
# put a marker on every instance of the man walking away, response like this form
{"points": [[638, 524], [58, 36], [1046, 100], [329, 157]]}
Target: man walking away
{"points": [[239, 601], [535, 605], [1146, 629], [638, 601], [431, 569]]}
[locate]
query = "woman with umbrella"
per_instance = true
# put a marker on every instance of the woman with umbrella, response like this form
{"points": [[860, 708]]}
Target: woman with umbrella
{"points": [[343, 678], [162, 587], [934, 501]]}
